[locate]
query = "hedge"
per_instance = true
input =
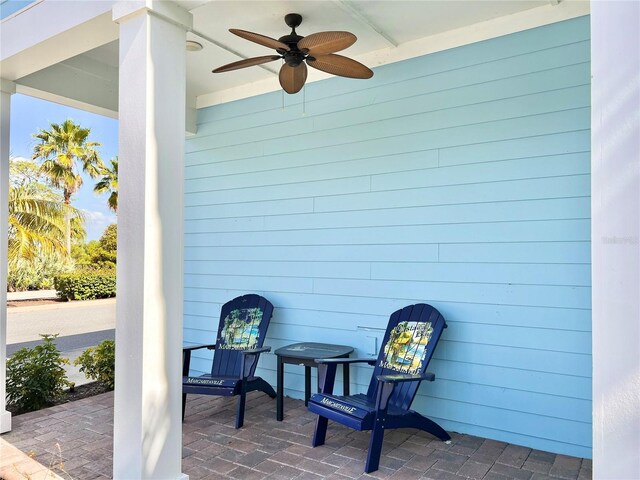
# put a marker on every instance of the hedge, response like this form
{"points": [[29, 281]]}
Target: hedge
{"points": [[86, 285]]}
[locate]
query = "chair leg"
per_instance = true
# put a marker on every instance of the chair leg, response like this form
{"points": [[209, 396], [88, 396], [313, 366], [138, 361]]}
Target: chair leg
{"points": [[241, 403], [262, 386], [184, 404], [375, 444], [429, 426], [320, 432]]}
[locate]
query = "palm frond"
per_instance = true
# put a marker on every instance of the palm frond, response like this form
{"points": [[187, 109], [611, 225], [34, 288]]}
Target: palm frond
{"points": [[109, 184], [37, 223]]}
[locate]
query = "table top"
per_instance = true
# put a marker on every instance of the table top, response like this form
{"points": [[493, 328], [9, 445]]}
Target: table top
{"points": [[314, 350]]}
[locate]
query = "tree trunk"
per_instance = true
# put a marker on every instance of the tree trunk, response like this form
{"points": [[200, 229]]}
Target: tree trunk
{"points": [[67, 222], [68, 232]]}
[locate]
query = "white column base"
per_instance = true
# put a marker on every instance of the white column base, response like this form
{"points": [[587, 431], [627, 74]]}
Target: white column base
{"points": [[5, 422]]}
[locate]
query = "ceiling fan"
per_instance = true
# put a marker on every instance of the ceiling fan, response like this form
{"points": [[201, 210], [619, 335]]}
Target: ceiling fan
{"points": [[317, 50]]}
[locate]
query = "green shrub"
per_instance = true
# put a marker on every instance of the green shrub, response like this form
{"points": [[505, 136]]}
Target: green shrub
{"points": [[36, 377], [35, 274], [99, 363], [86, 285]]}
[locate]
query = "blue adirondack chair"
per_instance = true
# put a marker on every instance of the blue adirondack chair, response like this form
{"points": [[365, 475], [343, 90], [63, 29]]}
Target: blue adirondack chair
{"points": [[241, 331], [411, 337]]}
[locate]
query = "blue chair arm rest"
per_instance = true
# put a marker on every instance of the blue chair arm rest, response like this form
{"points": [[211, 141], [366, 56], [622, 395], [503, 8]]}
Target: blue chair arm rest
{"points": [[405, 377], [370, 361], [198, 347], [250, 360], [387, 383], [255, 351], [327, 370], [186, 356]]}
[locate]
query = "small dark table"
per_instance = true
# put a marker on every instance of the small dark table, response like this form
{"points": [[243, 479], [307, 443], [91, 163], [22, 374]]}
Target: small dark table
{"points": [[305, 354]]}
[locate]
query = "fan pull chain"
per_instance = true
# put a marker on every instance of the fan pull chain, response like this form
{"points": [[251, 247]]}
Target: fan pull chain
{"points": [[304, 100], [282, 91]]}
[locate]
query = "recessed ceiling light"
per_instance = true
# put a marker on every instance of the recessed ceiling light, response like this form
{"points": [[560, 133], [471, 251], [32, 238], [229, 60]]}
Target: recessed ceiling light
{"points": [[193, 46]]}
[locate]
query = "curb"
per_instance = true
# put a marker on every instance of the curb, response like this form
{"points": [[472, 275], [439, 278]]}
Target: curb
{"points": [[58, 305], [31, 295]]}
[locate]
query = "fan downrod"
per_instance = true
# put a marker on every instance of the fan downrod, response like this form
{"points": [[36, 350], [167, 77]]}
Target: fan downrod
{"points": [[293, 20], [293, 57]]}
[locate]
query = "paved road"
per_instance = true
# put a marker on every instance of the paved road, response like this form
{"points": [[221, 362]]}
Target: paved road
{"points": [[79, 325], [69, 343], [25, 324]]}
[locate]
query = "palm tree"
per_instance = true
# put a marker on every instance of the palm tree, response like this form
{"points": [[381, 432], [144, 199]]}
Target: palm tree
{"points": [[37, 223], [61, 149], [109, 184]]}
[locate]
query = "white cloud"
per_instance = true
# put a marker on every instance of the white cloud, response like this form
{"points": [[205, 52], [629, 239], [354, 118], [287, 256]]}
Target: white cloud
{"points": [[98, 217], [96, 222]]}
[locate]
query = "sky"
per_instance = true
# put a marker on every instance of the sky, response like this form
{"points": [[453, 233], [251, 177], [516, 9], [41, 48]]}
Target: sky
{"points": [[29, 115]]}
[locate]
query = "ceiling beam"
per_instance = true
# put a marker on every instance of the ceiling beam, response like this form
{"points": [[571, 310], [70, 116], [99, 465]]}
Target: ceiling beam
{"points": [[55, 31], [358, 15]]}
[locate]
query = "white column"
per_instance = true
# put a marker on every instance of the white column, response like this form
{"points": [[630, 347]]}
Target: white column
{"points": [[7, 88], [615, 189], [147, 423]]}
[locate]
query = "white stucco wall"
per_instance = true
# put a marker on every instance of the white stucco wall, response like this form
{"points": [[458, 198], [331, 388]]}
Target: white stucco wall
{"points": [[615, 32]]}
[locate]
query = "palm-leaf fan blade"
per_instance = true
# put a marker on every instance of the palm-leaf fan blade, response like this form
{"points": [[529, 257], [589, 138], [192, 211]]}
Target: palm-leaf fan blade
{"points": [[292, 78], [322, 43], [339, 65], [249, 62], [260, 39]]}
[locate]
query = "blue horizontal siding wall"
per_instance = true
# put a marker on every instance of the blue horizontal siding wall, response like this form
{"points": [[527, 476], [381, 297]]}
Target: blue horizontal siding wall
{"points": [[460, 179], [9, 7]]}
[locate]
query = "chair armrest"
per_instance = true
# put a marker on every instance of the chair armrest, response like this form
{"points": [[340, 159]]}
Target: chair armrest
{"points": [[327, 370], [370, 361], [405, 377], [186, 356], [250, 360], [255, 351], [387, 383], [198, 347]]}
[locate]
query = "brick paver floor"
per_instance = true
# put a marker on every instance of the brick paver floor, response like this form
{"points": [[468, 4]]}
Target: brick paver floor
{"points": [[76, 441]]}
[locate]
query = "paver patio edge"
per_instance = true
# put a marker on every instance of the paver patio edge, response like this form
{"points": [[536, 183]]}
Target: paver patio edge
{"points": [[17, 465]]}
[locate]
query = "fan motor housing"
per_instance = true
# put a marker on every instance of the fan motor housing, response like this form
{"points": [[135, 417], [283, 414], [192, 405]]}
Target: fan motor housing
{"points": [[292, 40], [294, 56], [293, 59]]}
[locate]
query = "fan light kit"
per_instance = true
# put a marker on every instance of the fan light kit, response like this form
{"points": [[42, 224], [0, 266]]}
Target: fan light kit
{"points": [[317, 50], [193, 46]]}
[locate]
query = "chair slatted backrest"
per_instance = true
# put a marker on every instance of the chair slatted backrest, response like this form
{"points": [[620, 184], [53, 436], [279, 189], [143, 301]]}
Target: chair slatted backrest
{"points": [[243, 325], [411, 337]]}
